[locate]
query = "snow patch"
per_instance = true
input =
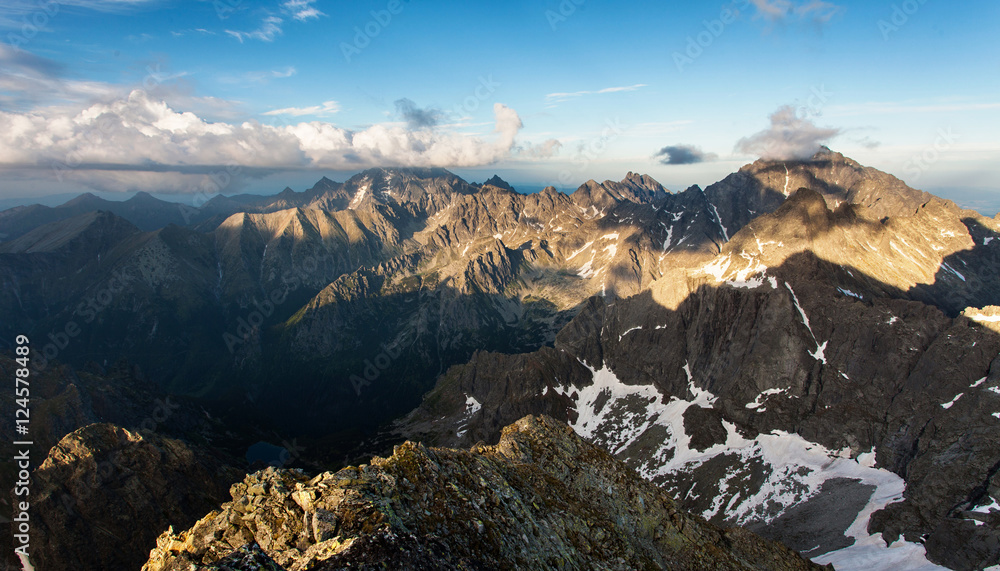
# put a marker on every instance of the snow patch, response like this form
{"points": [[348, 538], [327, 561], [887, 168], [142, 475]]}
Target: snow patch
{"points": [[819, 353], [725, 232], [472, 406], [586, 270], [759, 401], [979, 318], [717, 268], [849, 292], [753, 268], [802, 312], [670, 235], [615, 415], [578, 252], [620, 337], [948, 405], [362, 191], [952, 270]]}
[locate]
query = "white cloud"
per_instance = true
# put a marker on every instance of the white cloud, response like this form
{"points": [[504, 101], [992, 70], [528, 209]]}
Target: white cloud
{"points": [[788, 137], [140, 143], [559, 97], [545, 150], [270, 27], [327, 108], [257, 77], [302, 10]]}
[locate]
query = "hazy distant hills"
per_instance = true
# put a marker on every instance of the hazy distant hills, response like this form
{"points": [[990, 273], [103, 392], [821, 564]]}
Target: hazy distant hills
{"points": [[800, 335]]}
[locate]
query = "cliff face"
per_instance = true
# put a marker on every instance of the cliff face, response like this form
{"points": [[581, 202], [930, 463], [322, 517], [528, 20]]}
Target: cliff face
{"points": [[541, 498]]}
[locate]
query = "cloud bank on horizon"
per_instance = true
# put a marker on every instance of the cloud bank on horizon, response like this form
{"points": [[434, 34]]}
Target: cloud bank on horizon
{"points": [[140, 143]]}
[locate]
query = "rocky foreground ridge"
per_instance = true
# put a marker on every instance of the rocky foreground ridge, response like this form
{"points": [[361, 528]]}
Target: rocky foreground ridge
{"points": [[542, 498]]}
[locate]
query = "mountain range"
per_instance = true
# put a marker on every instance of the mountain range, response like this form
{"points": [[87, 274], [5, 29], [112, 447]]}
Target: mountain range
{"points": [[807, 350]]}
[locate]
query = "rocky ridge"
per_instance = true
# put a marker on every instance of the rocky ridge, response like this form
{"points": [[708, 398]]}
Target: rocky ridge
{"points": [[542, 498]]}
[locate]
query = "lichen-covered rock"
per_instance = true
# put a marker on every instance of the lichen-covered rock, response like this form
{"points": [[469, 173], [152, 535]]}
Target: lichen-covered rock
{"points": [[542, 498]]}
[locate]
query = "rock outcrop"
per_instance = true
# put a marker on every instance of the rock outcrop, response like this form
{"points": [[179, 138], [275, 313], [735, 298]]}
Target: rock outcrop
{"points": [[542, 498], [105, 493]]}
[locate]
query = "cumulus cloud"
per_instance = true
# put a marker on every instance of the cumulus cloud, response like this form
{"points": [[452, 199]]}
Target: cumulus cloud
{"points": [[683, 155], [415, 117], [783, 11], [141, 143], [788, 137]]}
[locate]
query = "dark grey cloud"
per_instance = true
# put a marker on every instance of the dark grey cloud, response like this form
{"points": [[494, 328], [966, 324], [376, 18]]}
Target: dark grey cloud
{"points": [[683, 155], [417, 118]]}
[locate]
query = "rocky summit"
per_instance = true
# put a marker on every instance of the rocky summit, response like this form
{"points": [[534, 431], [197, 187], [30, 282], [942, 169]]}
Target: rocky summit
{"points": [[541, 498]]}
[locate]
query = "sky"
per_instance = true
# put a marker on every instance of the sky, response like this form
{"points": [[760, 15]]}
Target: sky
{"points": [[200, 97]]}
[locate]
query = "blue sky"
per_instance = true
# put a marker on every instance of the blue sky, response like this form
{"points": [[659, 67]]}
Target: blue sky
{"points": [[126, 95]]}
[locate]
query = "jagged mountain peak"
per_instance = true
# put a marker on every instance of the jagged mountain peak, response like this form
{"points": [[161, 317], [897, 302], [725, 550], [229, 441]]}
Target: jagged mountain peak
{"points": [[646, 183], [498, 182]]}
